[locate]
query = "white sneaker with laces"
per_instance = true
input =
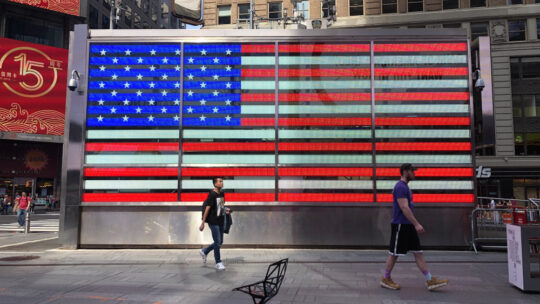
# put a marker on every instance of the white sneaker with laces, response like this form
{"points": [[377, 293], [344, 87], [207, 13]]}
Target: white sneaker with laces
{"points": [[203, 256], [219, 266]]}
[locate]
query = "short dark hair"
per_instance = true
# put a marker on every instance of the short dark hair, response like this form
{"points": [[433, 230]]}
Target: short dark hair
{"points": [[406, 167], [214, 180]]}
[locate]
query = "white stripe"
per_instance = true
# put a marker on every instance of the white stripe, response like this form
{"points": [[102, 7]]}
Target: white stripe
{"points": [[258, 85], [323, 109], [429, 185], [258, 60], [127, 159], [258, 183], [397, 236], [292, 133], [241, 134], [231, 159], [130, 184], [324, 158], [258, 109], [397, 84], [325, 184], [317, 60], [422, 133], [132, 134], [441, 108], [420, 59], [423, 159]]}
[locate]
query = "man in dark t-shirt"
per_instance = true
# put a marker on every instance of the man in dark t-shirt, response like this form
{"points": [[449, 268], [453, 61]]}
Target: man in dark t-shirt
{"points": [[405, 230], [213, 214]]}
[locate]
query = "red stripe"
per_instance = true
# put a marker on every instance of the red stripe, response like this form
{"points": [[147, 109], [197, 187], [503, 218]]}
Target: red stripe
{"points": [[422, 72], [258, 97], [306, 72], [211, 172], [291, 97], [325, 197], [428, 96], [94, 147], [325, 171], [421, 47], [422, 121], [258, 73], [129, 197], [228, 146], [92, 172], [345, 121], [429, 172], [429, 146], [432, 198], [323, 146], [258, 48], [320, 48], [257, 122], [230, 197]]}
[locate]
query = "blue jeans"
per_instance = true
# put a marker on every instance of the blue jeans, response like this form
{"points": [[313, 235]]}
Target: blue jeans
{"points": [[217, 236], [21, 216]]}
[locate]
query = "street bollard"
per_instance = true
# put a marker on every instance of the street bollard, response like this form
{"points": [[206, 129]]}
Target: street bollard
{"points": [[27, 223]]}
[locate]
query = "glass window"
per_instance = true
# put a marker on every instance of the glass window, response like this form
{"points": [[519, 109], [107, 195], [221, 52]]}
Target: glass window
{"points": [[93, 18], [327, 7], [478, 3], [479, 29], [514, 2], [107, 4], [538, 26], [516, 30], [127, 16], [389, 6], [224, 14], [531, 106], [302, 7], [514, 68], [243, 11], [452, 25], [526, 112], [274, 10], [356, 7], [34, 30], [530, 67], [139, 2], [450, 4], [415, 5], [105, 23]]}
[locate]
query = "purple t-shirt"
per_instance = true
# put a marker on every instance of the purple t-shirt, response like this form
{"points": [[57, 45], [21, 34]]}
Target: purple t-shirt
{"points": [[401, 190]]}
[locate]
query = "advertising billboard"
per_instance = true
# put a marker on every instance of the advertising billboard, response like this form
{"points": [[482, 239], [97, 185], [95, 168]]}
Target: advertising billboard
{"points": [[70, 7], [303, 122], [32, 88]]}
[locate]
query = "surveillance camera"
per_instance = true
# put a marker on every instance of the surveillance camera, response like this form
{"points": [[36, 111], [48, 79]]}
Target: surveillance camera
{"points": [[479, 84], [73, 83]]}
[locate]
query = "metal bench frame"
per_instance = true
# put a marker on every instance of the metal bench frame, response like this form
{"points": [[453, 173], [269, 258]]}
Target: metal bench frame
{"points": [[261, 292]]}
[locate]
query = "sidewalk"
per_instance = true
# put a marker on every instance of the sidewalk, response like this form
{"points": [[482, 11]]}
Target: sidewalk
{"points": [[313, 276]]}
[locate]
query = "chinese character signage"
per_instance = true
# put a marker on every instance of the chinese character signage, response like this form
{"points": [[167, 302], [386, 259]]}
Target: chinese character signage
{"points": [[70, 7], [32, 88]]}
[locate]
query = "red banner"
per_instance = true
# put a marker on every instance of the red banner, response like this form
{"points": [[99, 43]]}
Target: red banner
{"points": [[70, 7], [32, 87]]}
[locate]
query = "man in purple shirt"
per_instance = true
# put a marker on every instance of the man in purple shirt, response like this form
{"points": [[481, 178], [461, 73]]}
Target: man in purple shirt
{"points": [[405, 230]]}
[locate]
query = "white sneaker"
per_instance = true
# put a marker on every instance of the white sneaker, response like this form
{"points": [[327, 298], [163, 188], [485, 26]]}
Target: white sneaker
{"points": [[203, 256], [219, 266]]}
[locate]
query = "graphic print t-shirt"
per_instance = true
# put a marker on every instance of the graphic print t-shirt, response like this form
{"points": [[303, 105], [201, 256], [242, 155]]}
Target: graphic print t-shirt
{"points": [[401, 190], [215, 201]]}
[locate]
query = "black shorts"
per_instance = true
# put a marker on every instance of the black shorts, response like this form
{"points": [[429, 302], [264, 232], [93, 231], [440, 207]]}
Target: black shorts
{"points": [[403, 239]]}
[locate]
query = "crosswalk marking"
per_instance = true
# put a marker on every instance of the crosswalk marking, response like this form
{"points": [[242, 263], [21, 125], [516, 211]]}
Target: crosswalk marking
{"points": [[45, 225]]}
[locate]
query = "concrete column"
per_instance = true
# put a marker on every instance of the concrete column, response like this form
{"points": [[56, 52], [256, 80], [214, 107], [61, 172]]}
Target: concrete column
{"points": [[315, 9], [210, 12], [402, 6], [342, 7], [372, 7], [531, 29], [492, 3]]}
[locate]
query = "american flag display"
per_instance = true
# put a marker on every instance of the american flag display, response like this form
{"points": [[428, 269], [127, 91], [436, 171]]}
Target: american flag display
{"points": [[281, 122]]}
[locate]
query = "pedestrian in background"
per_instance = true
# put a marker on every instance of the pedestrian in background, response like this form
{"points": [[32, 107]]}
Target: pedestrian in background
{"points": [[405, 230], [33, 204], [16, 203], [24, 204], [3, 205]]}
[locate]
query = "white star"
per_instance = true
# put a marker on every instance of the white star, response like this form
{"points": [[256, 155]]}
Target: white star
{"points": [[103, 52], [190, 93], [163, 110], [164, 77], [203, 84], [139, 93], [228, 102], [190, 76], [165, 60], [177, 101], [203, 52], [203, 118], [203, 68], [126, 85], [190, 59], [228, 85], [228, 118], [177, 84], [113, 93], [115, 60], [152, 84], [203, 102], [140, 60], [100, 102], [139, 77], [176, 118], [151, 102], [216, 77], [152, 68], [177, 68], [152, 52], [216, 60], [125, 118], [101, 85], [190, 110], [215, 110], [100, 118], [128, 52], [228, 52], [127, 68], [126, 102], [150, 118], [216, 93], [113, 110], [228, 68], [164, 93], [102, 68], [177, 52], [138, 110], [114, 76]]}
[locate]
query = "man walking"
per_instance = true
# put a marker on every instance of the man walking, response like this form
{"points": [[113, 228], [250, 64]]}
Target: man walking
{"points": [[24, 203], [213, 215], [405, 230]]}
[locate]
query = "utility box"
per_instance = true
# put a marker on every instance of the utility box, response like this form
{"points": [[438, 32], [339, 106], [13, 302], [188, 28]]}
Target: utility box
{"points": [[524, 256]]}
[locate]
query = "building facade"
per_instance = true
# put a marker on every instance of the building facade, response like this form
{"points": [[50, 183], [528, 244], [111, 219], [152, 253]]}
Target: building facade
{"points": [[507, 111]]}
